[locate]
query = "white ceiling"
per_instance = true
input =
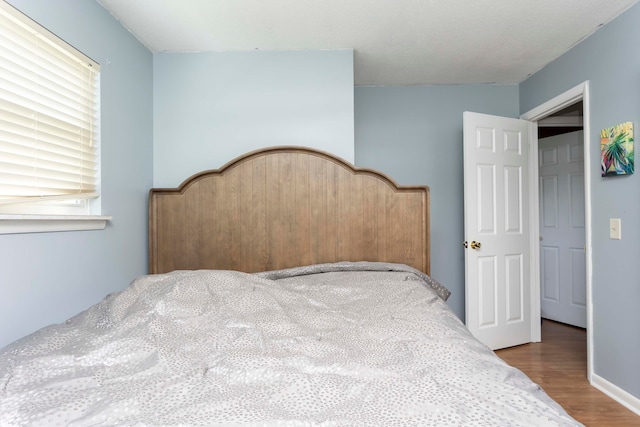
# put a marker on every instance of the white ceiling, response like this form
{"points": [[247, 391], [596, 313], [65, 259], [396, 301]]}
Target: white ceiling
{"points": [[395, 42]]}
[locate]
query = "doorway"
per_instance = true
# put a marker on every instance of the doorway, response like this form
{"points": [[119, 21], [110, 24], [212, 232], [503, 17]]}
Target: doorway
{"points": [[545, 110], [562, 226]]}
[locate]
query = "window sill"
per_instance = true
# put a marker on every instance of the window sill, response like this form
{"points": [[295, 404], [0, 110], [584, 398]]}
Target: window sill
{"points": [[14, 224]]}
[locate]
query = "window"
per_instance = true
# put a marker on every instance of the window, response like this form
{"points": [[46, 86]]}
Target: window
{"points": [[49, 152]]}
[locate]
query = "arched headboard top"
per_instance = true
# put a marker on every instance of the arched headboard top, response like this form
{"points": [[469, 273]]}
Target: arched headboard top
{"points": [[282, 207]]}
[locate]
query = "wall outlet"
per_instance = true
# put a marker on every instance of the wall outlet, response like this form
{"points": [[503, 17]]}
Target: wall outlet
{"points": [[615, 228]]}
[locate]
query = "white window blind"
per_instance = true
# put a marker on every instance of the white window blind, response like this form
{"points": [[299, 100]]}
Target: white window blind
{"points": [[48, 115]]}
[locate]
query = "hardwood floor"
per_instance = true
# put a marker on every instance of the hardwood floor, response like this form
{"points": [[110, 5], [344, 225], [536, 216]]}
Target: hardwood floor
{"points": [[559, 365]]}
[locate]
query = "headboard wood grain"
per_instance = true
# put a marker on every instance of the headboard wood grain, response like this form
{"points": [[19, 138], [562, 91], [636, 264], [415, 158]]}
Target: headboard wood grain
{"points": [[282, 207]]}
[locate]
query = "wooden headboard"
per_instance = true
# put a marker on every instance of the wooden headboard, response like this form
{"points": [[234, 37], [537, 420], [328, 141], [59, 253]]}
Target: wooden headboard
{"points": [[283, 207]]}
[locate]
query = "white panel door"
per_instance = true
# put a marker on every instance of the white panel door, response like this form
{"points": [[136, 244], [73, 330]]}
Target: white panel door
{"points": [[496, 198], [562, 229]]}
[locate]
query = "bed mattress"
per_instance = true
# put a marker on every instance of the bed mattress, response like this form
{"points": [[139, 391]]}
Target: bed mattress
{"points": [[331, 345]]}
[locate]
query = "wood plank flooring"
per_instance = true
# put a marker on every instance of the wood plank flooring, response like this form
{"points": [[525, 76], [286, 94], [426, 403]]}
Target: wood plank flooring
{"points": [[559, 365]]}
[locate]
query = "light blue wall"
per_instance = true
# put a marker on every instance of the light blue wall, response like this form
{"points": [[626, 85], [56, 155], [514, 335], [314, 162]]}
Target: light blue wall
{"points": [[48, 277], [210, 108], [610, 60], [414, 135]]}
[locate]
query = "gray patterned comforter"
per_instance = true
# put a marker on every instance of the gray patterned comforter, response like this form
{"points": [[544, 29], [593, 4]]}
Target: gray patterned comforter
{"points": [[333, 345]]}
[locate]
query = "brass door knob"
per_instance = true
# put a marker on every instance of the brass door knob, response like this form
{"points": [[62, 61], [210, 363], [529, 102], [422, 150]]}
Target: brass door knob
{"points": [[475, 245], [465, 244]]}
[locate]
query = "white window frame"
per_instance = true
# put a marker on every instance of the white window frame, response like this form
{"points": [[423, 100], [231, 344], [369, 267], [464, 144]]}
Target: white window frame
{"points": [[58, 213]]}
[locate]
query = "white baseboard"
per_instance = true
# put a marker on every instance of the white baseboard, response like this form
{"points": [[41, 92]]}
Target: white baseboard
{"points": [[616, 393]]}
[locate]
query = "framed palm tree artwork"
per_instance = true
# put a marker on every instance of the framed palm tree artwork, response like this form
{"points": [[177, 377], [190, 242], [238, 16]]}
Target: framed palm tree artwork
{"points": [[616, 149]]}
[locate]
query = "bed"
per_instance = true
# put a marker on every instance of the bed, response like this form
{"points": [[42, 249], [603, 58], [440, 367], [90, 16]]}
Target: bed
{"points": [[286, 288]]}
